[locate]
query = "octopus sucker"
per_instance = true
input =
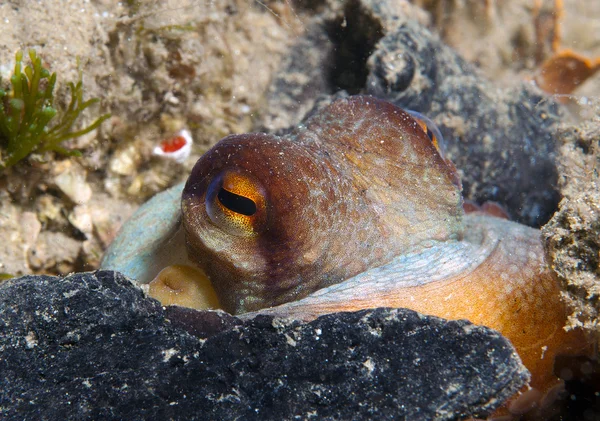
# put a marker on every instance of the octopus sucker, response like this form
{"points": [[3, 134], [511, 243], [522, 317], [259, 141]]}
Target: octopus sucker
{"points": [[183, 285], [357, 208]]}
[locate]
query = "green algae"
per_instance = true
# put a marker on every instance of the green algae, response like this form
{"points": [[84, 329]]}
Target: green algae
{"points": [[29, 122]]}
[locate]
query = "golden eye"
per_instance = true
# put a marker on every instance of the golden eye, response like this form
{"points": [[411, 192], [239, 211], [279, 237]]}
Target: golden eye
{"points": [[236, 203], [431, 130]]}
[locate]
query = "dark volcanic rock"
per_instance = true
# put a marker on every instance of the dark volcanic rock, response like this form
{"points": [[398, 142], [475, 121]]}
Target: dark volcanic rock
{"points": [[92, 346], [503, 141]]}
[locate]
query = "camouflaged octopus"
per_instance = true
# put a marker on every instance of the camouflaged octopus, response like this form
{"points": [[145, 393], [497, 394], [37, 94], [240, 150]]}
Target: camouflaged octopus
{"points": [[355, 208]]}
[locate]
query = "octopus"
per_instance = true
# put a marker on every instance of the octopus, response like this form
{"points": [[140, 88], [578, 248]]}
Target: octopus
{"points": [[355, 208]]}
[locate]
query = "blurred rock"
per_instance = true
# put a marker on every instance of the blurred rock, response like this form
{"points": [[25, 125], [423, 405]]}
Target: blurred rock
{"points": [[126, 159], [98, 221], [49, 211], [81, 219], [30, 228], [92, 346], [16, 228], [108, 214], [54, 251], [71, 181]]}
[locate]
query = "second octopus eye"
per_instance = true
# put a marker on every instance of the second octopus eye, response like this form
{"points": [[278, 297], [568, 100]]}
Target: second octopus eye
{"points": [[431, 130], [236, 203]]}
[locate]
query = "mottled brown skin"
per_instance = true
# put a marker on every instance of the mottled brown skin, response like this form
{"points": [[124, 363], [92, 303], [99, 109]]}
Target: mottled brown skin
{"points": [[357, 185]]}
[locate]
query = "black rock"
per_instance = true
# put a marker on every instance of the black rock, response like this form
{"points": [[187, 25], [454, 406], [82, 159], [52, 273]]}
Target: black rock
{"points": [[92, 346]]}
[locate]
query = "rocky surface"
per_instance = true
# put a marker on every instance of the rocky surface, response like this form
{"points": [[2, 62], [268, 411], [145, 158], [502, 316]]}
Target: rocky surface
{"points": [[572, 246], [501, 140], [92, 346], [571, 236]]}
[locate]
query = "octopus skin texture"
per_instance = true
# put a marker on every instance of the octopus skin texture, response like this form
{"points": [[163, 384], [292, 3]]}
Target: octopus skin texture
{"points": [[357, 208]]}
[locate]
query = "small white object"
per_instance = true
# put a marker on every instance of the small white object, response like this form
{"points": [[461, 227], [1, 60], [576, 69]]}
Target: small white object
{"points": [[177, 148]]}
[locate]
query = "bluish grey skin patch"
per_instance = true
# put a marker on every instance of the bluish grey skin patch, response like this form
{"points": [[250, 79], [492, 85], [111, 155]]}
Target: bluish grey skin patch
{"points": [[150, 240]]}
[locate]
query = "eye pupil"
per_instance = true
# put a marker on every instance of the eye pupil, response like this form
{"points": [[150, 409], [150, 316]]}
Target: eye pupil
{"points": [[430, 134], [432, 131], [236, 203]]}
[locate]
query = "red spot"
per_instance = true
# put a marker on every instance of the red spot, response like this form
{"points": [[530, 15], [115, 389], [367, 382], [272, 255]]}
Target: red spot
{"points": [[173, 144]]}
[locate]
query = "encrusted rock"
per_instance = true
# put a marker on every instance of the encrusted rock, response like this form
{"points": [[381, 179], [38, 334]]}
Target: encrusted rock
{"points": [[92, 346], [571, 237]]}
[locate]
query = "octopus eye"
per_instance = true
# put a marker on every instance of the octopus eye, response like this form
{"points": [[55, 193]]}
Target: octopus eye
{"points": [[236, 203], [431, 130]]}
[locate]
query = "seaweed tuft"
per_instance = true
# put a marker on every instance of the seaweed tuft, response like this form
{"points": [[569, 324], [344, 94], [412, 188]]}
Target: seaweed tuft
{"points": [[29, 122]]}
